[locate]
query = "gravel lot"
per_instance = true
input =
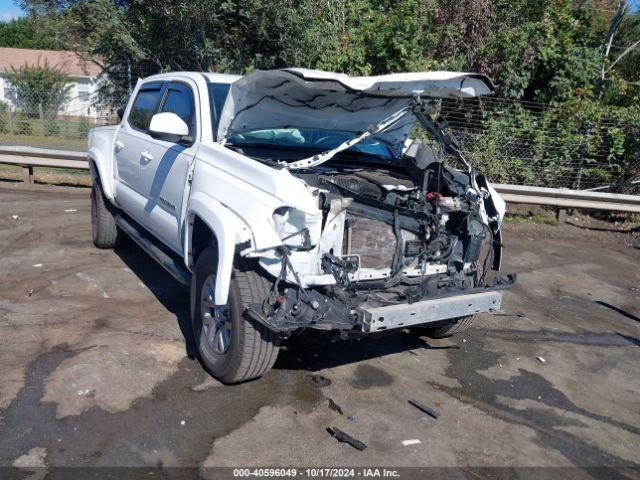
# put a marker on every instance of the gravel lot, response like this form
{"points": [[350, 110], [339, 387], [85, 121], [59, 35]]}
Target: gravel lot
{"points": [[95, 366]]}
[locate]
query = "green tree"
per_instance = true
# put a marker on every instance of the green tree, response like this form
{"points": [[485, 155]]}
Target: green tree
{"points": [[38, 86], [536, 50], [549, 54], [26, 32]]}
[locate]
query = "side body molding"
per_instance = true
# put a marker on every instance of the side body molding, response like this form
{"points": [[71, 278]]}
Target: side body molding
{"points": [[228, 229]]}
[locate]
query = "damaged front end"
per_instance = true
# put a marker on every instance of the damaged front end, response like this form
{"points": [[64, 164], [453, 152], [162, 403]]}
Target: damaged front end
{"points": [[395, 246], [398, 237]]}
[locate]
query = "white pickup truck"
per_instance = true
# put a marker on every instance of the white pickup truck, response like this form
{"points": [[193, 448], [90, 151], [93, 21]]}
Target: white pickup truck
{"points": [[291, 199]]}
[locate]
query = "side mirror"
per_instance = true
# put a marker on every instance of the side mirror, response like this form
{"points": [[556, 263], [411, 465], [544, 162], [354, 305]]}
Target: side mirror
{"points": [[120, 113], [168, 124]]}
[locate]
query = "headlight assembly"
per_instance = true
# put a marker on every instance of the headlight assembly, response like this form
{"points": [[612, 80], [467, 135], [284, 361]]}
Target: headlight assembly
{"points": [[291, 226]]}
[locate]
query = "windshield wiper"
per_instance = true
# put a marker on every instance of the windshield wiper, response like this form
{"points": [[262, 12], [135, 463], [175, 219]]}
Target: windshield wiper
{"points": [[329, 154]]}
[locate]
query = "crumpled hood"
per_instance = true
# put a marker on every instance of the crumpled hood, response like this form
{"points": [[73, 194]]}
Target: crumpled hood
{"points": [[315, 99]]}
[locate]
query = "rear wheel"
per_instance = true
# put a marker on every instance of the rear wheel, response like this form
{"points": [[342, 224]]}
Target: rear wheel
{"points": [[104, 231], [457, 325], [232, 346]]}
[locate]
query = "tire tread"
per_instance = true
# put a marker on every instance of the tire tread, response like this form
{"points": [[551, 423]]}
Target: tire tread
{"points": [[461, 325], [261, 352], [105, 231], [256, 345]]}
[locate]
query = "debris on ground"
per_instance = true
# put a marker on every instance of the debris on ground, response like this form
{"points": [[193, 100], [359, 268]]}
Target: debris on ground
{"points": [[182, 422], [507, 314], [208, 383], [30, 292], [70, 210], [37, 265], [351, 418], [541, 359], [16, 217], [346, 438], [413, 441], [320, 380], [429, 411], [335, 407]]}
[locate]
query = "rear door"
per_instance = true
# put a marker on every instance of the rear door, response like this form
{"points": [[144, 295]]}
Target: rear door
{"points": [[131, 147], [163, 174]]}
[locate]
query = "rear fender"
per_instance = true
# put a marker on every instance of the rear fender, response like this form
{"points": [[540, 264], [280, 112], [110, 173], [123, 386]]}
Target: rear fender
{"points": [[100, 157]]}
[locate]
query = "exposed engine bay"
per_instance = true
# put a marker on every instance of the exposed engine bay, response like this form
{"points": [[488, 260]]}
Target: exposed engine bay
{"points": [[388, 235]]}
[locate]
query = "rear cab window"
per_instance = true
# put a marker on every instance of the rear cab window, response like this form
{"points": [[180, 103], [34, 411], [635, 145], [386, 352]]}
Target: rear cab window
{"points": [[145, 106]]}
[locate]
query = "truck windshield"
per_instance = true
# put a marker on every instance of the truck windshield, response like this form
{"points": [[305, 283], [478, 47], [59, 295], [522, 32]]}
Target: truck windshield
{"points": [[307, 138]]}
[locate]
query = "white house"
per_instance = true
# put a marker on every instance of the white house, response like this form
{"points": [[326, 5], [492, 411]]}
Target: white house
{"points": [[83, 74]]}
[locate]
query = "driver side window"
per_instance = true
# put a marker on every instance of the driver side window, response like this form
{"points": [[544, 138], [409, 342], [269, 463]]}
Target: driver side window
{"points": [[145, 106], [179, 100]]}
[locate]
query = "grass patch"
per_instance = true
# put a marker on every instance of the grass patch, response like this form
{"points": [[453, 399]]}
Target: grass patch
{"points": [[48, 175], [45, 142], [61, 171], [544, 219], [514, 219]]}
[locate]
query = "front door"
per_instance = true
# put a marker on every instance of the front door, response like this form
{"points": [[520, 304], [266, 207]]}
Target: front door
{"points": [[163, 170], [131, 142]]}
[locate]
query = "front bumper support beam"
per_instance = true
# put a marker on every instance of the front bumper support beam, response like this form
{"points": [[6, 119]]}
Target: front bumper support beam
{"points": [[427, 311]]}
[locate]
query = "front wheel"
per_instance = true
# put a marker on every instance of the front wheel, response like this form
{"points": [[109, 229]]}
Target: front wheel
{"points": [[232, 346], [457, 325]]}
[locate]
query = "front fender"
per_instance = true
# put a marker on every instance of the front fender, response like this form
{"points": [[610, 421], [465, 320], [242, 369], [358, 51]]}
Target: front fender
{"points": [[228, 229]]}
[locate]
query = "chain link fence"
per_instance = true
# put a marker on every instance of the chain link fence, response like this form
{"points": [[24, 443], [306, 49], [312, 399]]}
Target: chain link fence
{"points": [[55, 114], [514, 142], [525, 143], [39, 126]]}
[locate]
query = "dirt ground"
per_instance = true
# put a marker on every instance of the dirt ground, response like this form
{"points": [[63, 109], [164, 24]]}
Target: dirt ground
{"points": [[96, 365]]}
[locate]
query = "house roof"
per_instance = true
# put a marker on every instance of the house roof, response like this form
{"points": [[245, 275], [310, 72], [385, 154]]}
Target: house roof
{"points": [[68, 62]]}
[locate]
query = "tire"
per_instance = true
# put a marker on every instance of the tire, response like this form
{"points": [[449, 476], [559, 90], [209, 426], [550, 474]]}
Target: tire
{"points": [[457, 325], [103, 226], [250, 347]]}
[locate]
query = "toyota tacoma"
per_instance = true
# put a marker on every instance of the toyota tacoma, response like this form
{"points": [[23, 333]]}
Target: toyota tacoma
{"points": [[298, 199]]}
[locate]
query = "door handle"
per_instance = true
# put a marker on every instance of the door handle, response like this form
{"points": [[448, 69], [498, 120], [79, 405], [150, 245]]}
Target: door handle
{"points": [[147, 156], [119, 145]]}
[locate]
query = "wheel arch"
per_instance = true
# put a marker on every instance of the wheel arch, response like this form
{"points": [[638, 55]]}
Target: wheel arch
{"points": [[209, 223], [101, 157], [99, 172]]}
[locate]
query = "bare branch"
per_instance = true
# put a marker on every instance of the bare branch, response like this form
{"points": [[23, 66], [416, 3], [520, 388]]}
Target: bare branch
{"points": [[623, 6], [621, 10], [627, 50]]}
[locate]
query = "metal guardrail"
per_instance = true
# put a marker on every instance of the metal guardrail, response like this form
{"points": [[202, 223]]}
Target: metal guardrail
{"points": [[30, 157], [562, 198], [566, 198]]}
